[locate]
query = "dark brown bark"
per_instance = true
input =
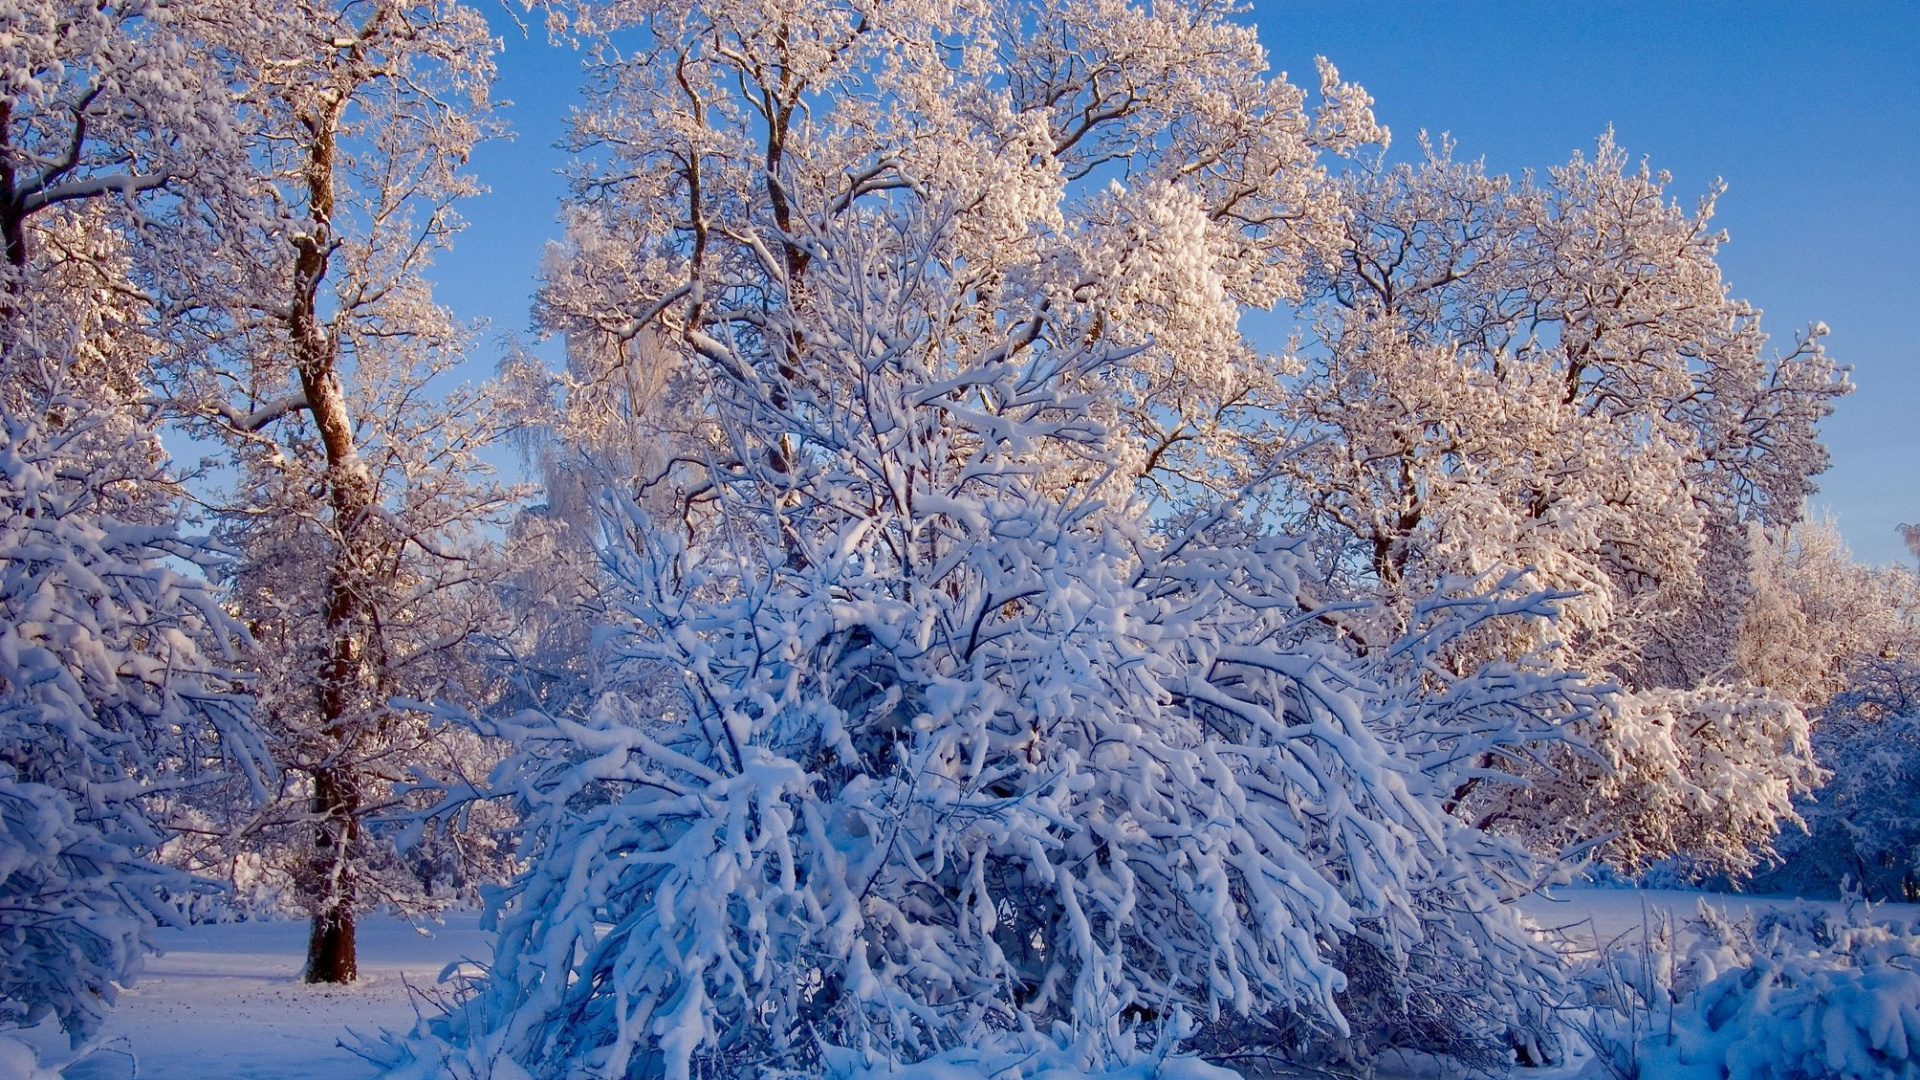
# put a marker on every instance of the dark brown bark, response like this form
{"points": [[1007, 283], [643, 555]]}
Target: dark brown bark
{"points": [[13, 231], [344, 691], [13, 213], [331, 955]]}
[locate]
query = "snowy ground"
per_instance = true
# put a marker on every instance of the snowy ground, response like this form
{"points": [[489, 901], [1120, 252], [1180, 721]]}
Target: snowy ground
{"points": [[227, 1001]]}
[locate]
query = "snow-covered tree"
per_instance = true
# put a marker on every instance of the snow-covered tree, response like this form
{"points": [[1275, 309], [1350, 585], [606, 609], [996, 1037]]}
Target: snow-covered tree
{"points": [[308, 343], [274, 178], [1192, 182], [117, 692], [1552, 380], [1817, 620], [940, 732], [557, 590], [1848, 637], [112, 100], [117, 695]]}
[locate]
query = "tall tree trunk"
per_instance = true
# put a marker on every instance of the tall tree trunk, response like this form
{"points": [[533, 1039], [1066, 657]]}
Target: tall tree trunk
{"points": [[344, 692], [331, 957]]}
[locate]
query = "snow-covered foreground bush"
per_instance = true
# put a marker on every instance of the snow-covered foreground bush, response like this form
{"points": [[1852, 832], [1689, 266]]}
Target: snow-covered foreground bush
{"points": [[1788, 993], [1138, 801], [963, 691], [111, 703]]}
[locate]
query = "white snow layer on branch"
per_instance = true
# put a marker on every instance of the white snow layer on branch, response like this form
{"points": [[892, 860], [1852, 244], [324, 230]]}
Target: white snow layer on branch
{"points": [[939, 745], [111, 699]]}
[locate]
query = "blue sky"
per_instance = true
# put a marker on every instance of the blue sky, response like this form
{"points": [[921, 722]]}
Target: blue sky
{"points": [[1810, 111]]}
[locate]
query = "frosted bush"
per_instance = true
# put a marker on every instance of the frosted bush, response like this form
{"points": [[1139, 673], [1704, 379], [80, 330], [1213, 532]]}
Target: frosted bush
{"points": [[1789, 993], [111, 705], [1143, 799], [75, 905], [1863, 826]]}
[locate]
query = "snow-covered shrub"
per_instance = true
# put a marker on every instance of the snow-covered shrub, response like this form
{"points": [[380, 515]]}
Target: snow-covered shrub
{"points": [[1863, 827], [1106, 787], [112, 704], [73, 905], [1788, 993]]}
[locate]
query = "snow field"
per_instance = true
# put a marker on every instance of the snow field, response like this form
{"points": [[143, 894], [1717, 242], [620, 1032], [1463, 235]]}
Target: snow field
{"points": [[225, 1002]]}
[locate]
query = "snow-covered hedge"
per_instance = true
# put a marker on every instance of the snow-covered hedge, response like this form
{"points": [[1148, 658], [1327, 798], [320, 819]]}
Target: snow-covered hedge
{"points": [[1789, 993]]}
